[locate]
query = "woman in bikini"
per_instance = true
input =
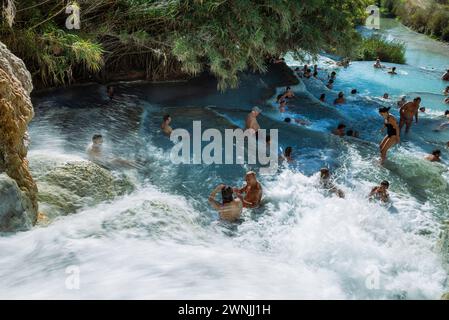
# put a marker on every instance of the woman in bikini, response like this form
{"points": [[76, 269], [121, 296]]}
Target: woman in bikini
{"points": [[392, 136]]}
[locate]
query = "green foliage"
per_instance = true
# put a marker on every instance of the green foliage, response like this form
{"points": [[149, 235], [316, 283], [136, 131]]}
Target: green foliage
{"points": [[378, 47], [224, 37]]}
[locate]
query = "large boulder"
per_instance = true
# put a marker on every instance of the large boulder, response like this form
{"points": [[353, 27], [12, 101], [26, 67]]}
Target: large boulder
{"points": [[16, 111], [68, 187], [15, 206]]}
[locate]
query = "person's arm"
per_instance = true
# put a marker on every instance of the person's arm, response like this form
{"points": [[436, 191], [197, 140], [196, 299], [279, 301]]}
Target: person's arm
{"points": [[373, 192], [214, 203]]}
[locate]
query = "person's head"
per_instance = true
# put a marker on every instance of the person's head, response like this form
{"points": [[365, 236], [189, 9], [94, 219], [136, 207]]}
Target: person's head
{"points": [[403, 98], [97, 139], [287, 89], [166, 119], [297, 69], [333, 73], [331, 81], [256, 111], [447, 88], [385, 96], [250, 178], [417, 100], [341, 127], [436, 153], [322, 97], [288, 151], [288, 120], [422, 109], [309, 71], [446, 113], [353, 91], [324, 173], [227, 194], [384, 111], [341, 94], [279, 97], [377, 60], [385, 184]]}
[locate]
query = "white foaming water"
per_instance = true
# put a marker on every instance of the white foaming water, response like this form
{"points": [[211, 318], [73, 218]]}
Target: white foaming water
{"points": [[155, 245]]}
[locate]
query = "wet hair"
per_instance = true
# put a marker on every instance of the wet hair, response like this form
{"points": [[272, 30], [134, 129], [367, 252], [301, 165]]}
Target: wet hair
{"points": [[384, 109], [288, 88], [394, 68], [288, 151], [227, 194], [322, 96], [297, 69], [417, 98], [385, 183], [331, 81], [446, 112], [353, 91], [308, 70], [96, 137], [341, 126], [279, 97], [165, 118], [436, 152], [422, 109], [340, 94], [288, 120], [333, 73], [324, 172]]}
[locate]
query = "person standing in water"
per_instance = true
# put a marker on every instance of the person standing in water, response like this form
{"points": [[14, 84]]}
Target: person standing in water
{"points": [[165, 126], [252, 191], [95, 149], [407, 112], [377, 64], [230, 208], [251, 120], [435, 156], [326, 183], [380, 192], [392, 136]]}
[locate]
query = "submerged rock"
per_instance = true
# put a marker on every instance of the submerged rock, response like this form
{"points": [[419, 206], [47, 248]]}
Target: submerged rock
{"points": [[16, 111], [16, 212], [73, 185]]}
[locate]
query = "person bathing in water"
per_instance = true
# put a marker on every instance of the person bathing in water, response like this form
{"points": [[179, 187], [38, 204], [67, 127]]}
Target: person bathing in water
{"points": [[377, 64], [392, 136], [340, 131], [407, 112], [445, 76], [380, 192], [165, 126], [401, 102], [435, 156], [230, 208], [282, 105], [95, 154], [287, 155], [340, 99], [446, 91], [251, 120], [330, 84], [392, 71], [386, 96], [252, 191], [288, 93], [326, 183]]}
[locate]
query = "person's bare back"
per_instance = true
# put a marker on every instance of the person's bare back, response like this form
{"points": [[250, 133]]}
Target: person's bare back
{"points": [[251, 119], [230, 209]]}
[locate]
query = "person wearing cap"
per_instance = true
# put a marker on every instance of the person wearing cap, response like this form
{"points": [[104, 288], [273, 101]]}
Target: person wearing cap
{"points": [[393, 133], [251, 120], [252, 191], [407, 112], [380, 192], [230, 208]]}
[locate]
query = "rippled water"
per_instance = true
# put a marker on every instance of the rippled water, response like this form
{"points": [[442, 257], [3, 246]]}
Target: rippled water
{"points": [[164, 241]]}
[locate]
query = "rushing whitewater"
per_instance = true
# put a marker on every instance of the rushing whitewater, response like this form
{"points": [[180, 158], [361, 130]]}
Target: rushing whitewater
{"points": [[163, 240]]}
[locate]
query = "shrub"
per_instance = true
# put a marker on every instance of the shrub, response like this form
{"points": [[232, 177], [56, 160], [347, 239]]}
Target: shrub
{"points": [[378, 47]]}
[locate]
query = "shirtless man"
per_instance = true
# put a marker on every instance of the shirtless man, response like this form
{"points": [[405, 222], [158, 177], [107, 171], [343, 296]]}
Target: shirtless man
{"points": [[435, 156], [251, 120], [380, 192], [95, 150], [340, 99], [252, 191], [230, 209], [407, 112], [165, 126], [326, 183], [445, 76]]}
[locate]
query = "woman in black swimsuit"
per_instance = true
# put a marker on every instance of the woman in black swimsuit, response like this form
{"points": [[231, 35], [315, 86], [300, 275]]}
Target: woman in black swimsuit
{"points": [[392, 136]]}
